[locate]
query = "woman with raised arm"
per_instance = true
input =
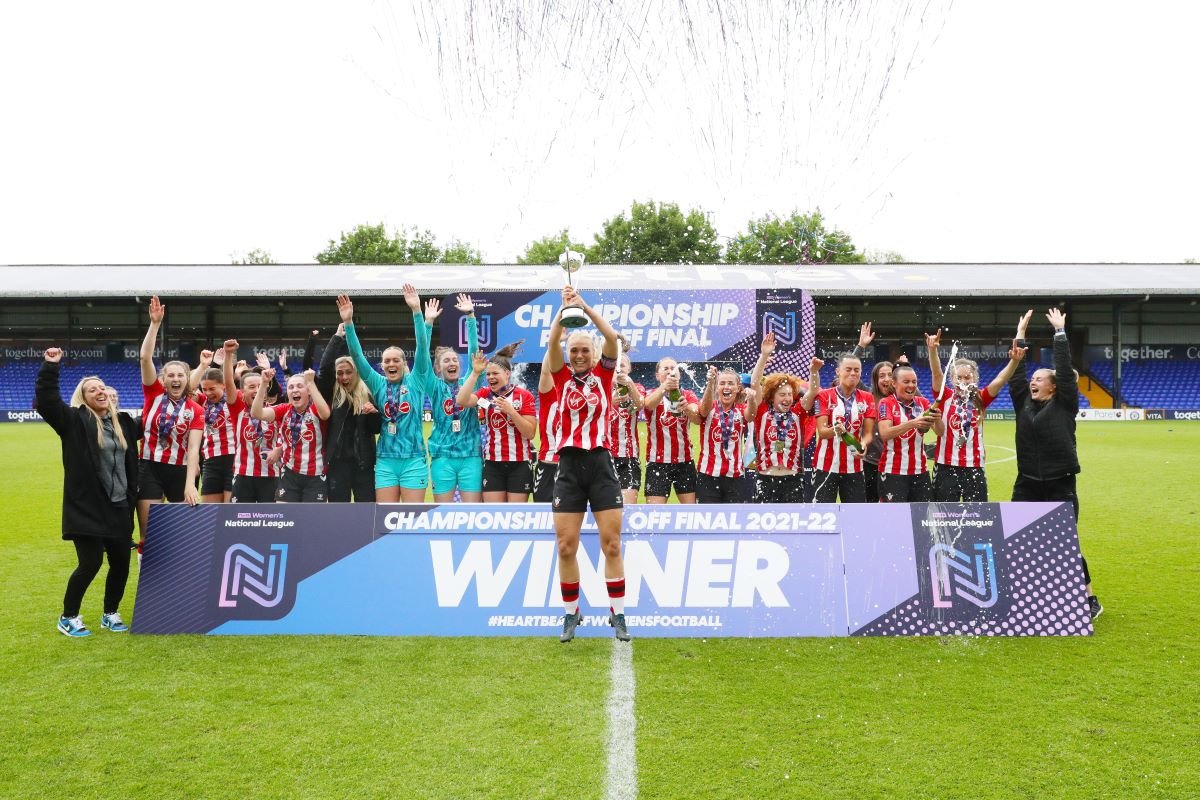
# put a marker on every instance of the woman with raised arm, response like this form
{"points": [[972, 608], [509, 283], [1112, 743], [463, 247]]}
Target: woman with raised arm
{"points": [[722, 431], [454, 447], [669, 412], [256, 453], [401, 468], [959, 457], [511, 419], [903, 421], [100, 465], [303, 423], [881, 387], [585, 469], [779, 423], [845, 425], [172, 429], [623, 442], [217, 450], [353, 424], [1047, 460]]}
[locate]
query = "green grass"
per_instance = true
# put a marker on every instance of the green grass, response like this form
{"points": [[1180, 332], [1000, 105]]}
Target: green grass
{"points": [[189, 716]]}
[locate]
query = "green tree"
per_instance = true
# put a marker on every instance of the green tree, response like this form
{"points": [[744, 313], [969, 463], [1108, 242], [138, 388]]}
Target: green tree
{"points": [[656, 233], [255, 256], [372, 244], [547, 249], [798, 239], [366, 244]]}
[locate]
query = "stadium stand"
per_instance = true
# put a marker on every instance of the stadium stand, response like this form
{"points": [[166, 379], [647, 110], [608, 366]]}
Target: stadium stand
{"points": [[1154, 384]]}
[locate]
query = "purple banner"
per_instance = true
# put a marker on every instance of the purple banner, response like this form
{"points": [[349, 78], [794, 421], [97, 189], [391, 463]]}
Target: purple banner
{"points": [[491, 570]]}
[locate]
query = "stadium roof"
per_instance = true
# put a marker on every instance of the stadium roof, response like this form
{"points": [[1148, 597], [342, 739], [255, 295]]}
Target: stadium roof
{"points": [[858, 280]]}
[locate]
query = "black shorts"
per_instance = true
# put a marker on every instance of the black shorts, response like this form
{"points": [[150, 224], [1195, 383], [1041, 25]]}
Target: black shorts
{"points": [[297, 488], [661, 477], [905, 488], [216, 476], [544, 473], [959, 484], [514, 477], [711, 489], [586, 477], [251, 489], [629, 472], [829, 486], [158, 481], [780, 489]]}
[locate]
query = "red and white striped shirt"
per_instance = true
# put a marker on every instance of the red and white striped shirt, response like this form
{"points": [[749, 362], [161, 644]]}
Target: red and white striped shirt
{"points": [[667, 439], [253, 438], [787, 427], [303, 435], [721, 437], [623, 439], [905, 454], [505, 442], [166, 425], [962, 444], [583, 406], [547, 423], [218, 426], [833, 455]]}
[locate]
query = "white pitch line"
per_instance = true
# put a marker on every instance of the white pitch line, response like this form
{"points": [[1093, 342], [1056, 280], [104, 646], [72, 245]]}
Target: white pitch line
{"points": [[622, 741], [1013, 457]]}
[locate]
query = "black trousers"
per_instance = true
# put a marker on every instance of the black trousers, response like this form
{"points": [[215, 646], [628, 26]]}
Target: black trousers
{"points": [[1031, 490], [346, 478], [91, 550], [871, 481]]}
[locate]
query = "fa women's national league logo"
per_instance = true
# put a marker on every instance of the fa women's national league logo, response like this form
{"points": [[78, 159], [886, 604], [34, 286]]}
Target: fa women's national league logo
{"points": [[959, 553], [782, 325], [249, 576]]}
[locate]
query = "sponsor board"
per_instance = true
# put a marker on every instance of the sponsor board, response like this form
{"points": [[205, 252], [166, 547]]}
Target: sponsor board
{"points": [[491, 570], [1110, 415], [1144, 352]]}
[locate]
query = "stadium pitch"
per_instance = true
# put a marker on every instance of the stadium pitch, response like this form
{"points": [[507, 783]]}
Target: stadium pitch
{"points": [[288, 717]]}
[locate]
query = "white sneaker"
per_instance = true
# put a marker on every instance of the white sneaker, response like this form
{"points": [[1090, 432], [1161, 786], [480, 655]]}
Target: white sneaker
{"points": [[112, 622], [73, 627]]}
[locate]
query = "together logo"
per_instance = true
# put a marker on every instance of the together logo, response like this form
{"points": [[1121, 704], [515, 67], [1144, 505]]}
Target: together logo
{"points": [[249, 574], [782, 325], [954, 572]]}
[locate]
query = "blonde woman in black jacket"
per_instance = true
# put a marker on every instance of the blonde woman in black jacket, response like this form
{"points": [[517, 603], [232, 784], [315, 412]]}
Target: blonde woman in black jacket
{"points": [[100, 463]]}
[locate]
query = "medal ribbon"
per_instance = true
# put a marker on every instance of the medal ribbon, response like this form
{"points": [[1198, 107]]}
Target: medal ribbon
{"points": [[169, 415], [212, 412], [296, 423]]}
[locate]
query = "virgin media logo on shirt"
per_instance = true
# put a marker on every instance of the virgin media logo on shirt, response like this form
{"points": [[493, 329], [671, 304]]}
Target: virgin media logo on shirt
{"points": [[405, 407], [448, 406], [957, 422], [576, 401]]}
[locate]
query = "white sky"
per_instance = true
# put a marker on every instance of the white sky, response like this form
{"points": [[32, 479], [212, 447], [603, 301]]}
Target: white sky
{"points": [[186, 133]]}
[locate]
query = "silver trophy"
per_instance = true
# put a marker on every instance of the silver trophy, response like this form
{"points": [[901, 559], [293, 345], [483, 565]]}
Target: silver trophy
{"points": [[572, 316]]}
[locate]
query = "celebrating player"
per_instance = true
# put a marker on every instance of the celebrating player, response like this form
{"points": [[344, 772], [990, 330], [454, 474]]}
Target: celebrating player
{"points": [[511, 419], [454, 458], [216, 469], [1046, 405], [722, 430], [585, 468], [256, 454], [353, 423], [845, 426], [623, 443], [303, 424], [902, 425], [669, 411], [401, 471], [100, 466], [545, 471], [958, 473], [172, 426], [779, 424]]}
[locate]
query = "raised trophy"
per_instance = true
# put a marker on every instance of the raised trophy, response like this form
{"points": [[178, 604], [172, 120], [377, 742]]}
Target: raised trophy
{"points": [[572, 316]]}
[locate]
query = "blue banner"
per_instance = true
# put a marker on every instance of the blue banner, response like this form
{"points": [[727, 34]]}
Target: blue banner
{"points": [[491, 570]]}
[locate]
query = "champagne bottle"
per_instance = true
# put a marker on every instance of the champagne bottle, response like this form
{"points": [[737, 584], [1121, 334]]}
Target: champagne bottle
{"points": [[850, 440]]}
